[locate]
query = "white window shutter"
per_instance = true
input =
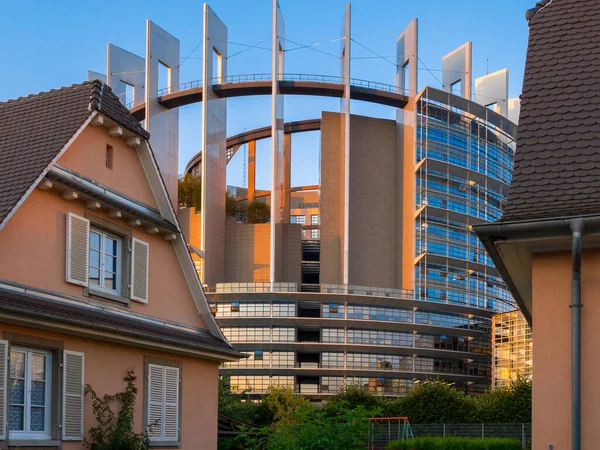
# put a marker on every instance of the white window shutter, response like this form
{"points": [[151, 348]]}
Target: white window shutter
{"points": [[73, 379], [156, 384], [3, 386], [140, 258], [171, 428], [78, 247]]}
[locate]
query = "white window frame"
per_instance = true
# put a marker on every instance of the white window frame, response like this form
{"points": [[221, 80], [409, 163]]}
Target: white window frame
{"points": [[26, 433], [118, 275]]}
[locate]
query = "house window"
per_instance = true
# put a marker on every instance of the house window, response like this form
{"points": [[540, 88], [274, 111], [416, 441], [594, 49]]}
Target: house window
{"points": [[314, 234], [30, 393], [105, 261], [314, 219]]}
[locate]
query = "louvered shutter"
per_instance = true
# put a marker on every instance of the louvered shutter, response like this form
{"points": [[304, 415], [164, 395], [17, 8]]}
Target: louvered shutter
{"points": [[78, 247], [156, 385], [140, 252], [3, 386], [171, 414], [72, 426]]}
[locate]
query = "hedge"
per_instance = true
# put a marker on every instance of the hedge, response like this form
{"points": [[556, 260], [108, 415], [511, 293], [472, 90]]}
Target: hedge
{"points": [[455, 443]]}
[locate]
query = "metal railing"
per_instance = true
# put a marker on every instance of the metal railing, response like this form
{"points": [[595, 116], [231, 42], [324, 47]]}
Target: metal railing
{"points": [[384, 434], [246, 78]]}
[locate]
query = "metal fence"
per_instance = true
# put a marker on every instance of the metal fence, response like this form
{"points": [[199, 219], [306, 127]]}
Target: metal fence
{"points": [[381, 435]]}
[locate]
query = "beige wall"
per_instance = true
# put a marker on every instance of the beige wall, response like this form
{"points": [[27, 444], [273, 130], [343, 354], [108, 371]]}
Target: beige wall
{"points": [[199, 384], [374, 224], [551, 274], [87, 155], [247, 251], [372, 201], [190, 221], [332, 197], [33, 251], [292, 253]]}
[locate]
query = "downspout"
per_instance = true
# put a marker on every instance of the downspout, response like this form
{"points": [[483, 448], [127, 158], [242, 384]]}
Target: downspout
{"points": [[576, 228]]}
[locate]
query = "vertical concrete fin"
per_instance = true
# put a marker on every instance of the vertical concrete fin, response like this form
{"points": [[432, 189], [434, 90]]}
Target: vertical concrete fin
{"points": [[214, 142], [345, 138], [492, 91], [162, 123], [277, 157], [122, 68], [407, 59], [91, 75], [407, 82], [457, 67], [514, 109]]}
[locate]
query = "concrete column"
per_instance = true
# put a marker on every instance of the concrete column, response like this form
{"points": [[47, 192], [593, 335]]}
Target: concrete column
{"points": [[345, 134], [162, 123], [251, 170], [277, 126], [406, 81], [214, 147]]}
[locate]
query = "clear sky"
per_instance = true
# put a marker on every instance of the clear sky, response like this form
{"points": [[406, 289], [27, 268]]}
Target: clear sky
{"points": [[46, 45]]}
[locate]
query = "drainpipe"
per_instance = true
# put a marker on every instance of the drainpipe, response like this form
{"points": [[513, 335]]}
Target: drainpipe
{"points": [[576, 228]]}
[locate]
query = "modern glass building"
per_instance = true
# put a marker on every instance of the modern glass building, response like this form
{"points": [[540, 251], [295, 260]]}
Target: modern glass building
{"points": [[386, 339], [513, 347]]}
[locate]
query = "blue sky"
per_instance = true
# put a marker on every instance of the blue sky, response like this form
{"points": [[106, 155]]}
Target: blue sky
{"points": [[45, 45]]}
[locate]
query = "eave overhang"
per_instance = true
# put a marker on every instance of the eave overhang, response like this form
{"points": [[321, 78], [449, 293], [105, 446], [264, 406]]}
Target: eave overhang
{"points": [[512, 244]]}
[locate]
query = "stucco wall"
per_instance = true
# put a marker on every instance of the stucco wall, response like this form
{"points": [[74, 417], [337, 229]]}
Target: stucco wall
{"points": [[33, 248], [105, 374], [87, 156], [552, 350]]}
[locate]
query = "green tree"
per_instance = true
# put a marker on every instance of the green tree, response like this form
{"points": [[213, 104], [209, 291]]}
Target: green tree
{"points": [[239, 406], [231, 206], [189, 191], [258, 212], [434, 401], [355, 395], [506, 405], [334, 426]]}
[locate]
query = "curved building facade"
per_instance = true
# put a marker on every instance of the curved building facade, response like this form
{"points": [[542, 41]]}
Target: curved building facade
{"points": [[313, 333]]}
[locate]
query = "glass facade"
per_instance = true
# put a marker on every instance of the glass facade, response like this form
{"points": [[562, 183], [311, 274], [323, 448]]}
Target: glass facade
{"points": [[466, 167], [513, 347], [319, 339]]}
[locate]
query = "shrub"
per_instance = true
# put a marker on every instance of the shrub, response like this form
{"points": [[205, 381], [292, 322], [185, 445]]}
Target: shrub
{"points": [[258, 212], [188, 191], [454, 443], [115, 431]]}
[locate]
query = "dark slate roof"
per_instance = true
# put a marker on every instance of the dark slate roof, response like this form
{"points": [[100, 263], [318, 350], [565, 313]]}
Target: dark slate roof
{"points": [[35, 128], [557, 162], [53, 311]]}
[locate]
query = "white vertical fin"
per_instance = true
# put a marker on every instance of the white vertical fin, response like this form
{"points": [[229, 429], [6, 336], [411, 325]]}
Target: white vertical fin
{"points": [[3, 386]]}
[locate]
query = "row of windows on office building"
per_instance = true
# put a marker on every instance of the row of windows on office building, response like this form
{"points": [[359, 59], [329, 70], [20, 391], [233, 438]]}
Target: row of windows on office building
{"points": [[399, 339], [461, 190], [356, 312], [487, 155], [410, 363], [260, 384]]}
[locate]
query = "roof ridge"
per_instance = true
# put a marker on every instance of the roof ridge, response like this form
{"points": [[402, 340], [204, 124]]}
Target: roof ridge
{"points": [[42, 93], [539, 6]]}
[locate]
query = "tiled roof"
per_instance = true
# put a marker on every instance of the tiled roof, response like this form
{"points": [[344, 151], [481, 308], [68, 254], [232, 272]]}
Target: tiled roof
{"points": [[557, 162], [35, 128], [42, 308]]}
